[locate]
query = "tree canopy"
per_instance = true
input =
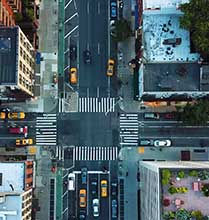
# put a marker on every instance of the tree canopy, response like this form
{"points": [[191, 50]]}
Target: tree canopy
{"points": [[196, 20], [122, 30], [197, 114]]}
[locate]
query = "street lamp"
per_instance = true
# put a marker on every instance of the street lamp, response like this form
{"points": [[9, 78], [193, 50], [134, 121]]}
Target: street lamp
{"points": [[120, 99]]}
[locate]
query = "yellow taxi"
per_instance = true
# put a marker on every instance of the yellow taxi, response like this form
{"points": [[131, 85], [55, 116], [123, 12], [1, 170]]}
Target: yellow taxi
{"points": [[16, 115], [2, 115], [110, 67], [103, 188], [73, 75], [82, 196], [22, 142]]}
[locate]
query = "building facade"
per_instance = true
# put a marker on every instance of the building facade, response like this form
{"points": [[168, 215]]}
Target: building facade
{"points": [[17, 71], [6, 14]]}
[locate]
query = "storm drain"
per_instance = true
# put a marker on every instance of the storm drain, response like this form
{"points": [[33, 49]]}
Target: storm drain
{"points": [[52, 198], [121, 188]]}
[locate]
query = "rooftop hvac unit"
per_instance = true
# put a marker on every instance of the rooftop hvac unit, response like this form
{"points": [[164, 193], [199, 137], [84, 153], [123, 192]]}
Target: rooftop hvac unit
{"points": [[2, 199]]}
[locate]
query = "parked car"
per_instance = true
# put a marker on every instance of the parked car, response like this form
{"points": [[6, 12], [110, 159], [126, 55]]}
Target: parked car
{"points": [[94, 186], [73, 75], [113, 10], [82, 215], [114, 209], [103, 188], [146, 142], [95, 207], [162, 143], [151, 116], [16, 115], [73, 52], [23, 142], [169, 116], [114, 188], [19, 130], [84, 175], [110, 67], [71, 181], [55, 79], [87, 56], [2, 115], [82, 196]]}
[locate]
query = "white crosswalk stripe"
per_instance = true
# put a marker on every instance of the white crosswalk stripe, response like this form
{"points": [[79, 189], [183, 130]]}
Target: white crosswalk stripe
{"points": [[95, 104], [46, 130], [129, 129], [95, 153]]}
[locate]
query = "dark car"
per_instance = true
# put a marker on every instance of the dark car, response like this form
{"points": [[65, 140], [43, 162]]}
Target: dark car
{"points": [[114, 209], [145, 142], [87, 56], [121, 4], [73, 52], [114, 188], [94, 187], [113, 10], [84, 175], [82, 215]]}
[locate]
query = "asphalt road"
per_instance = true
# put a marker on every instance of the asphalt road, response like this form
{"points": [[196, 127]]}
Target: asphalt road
{"points": [[176, 131], [87, 129], [95, 173]]}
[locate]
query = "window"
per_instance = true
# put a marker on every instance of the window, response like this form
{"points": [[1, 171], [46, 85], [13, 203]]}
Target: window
{"points": [[0, 179], [21, 65]]}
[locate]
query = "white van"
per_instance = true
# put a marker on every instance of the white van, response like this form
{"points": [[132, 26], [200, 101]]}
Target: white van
{"points": [[71, 181]]}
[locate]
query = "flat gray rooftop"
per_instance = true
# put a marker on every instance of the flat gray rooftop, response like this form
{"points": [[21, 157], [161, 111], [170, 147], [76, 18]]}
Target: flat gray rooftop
{"points": [[8, 55], [171, 77]]}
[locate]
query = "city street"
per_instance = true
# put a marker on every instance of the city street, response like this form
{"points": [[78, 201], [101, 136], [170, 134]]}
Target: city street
{"points": [[95, 175]]}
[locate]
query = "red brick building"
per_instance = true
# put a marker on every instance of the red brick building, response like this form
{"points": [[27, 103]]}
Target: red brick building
{"points": [[6, 14]]}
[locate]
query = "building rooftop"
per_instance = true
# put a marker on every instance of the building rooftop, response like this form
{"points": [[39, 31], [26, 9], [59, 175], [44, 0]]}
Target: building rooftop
{"points": [[165, 41], [11, 207], [12, 177], [152, 4], [8, 55], [171, 77], [192, 199]]}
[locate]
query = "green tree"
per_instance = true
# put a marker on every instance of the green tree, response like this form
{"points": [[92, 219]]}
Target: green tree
{"points": [[196, 20], [122, 30], [168, 215], [172, 190], [30, 13], [203, 174], [197, 114], [18, 17], [183, 214], [205, 190], [193, 173], [181, 174], [197, 214], [166, 175]]}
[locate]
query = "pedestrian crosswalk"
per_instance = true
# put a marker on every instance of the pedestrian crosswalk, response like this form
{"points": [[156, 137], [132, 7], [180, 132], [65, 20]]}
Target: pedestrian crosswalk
{"points": [[46, 129], [95, 104], [95, 153], [129, 129]]}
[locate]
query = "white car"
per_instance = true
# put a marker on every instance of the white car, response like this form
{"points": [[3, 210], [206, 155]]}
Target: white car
{"points": [[162, 143], [95, 207], [71, 181]]}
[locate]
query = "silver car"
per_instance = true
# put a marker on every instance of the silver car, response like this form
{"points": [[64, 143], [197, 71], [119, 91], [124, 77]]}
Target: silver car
{"points": [[162, 143], [95, 207]]}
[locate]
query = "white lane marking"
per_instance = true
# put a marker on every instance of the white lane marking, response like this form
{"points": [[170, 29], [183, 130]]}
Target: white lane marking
{"points": [[71, 18], [98, 48], [69, 33], [98, 7], [88, 7], [68, 4]]}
